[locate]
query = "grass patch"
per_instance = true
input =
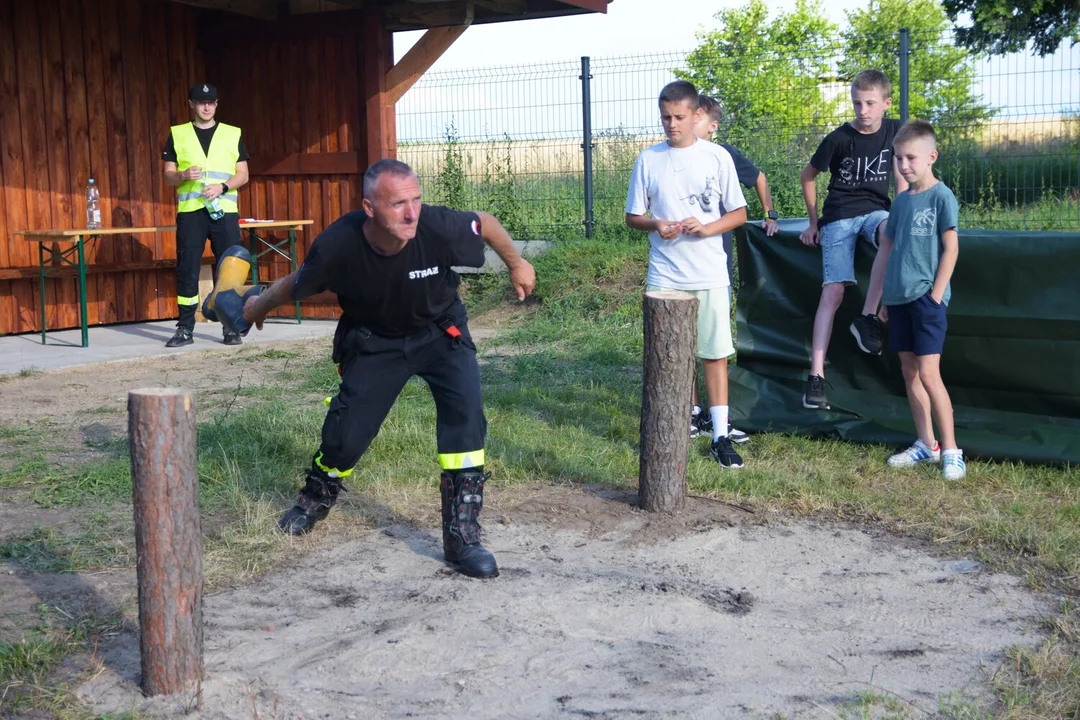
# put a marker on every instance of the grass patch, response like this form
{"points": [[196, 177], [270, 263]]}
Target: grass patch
{"points": [[31, 680], [104, 410], [101, 539], [18, 433]]}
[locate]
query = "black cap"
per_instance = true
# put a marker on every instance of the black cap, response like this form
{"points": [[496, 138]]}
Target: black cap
{"points": [[202, 91]]}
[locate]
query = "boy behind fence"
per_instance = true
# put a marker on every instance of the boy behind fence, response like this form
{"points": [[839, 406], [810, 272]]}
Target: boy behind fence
{"points": [[690, 189], [918, 253], [858, 155], [750, 176]]}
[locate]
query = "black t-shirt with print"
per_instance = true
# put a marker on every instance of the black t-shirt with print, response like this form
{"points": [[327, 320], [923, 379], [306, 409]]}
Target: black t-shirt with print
{"points": [[746, 171], [393, 295], [205, 135], [860, 167]]}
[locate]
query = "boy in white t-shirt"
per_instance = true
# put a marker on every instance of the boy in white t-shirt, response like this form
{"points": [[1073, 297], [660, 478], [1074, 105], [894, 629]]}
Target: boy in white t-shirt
{"points": [[685, 193]]}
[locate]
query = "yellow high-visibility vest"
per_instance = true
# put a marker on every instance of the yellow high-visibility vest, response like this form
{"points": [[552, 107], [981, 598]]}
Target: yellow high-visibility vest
{"points": [[218, 167]]}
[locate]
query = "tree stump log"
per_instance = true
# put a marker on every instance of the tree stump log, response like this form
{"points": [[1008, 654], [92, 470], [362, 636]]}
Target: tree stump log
{"points": [[670, 323], [168, 540]]}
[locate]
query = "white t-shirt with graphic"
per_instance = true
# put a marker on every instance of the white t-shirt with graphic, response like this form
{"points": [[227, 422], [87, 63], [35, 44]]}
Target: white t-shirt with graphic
{"points": [[673, 184]]}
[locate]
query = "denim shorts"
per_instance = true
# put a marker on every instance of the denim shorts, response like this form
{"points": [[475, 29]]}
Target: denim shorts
{"points": [[918, 326], [838, 240]]}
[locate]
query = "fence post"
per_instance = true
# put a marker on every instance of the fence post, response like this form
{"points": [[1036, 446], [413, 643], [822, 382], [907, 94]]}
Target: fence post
{"points": [[168, 540], [905, 74], [670, 326], [587, 144]]}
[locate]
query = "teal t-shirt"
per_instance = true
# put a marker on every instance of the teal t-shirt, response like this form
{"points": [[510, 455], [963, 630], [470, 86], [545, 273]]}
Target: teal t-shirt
{"points": [[916, 224]]}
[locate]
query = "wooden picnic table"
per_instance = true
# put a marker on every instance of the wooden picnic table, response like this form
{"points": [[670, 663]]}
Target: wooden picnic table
{"points": [[75, 256], [252, 226]]}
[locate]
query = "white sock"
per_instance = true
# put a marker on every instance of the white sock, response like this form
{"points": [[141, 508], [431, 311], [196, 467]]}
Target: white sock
{"points": [[719, 421]]}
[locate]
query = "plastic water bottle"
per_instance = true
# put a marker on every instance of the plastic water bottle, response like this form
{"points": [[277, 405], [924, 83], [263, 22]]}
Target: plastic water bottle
{"points": [[212, 206], [93, 206]]}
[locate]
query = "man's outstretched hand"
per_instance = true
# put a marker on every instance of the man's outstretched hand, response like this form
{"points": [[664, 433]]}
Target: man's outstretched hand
{"points": [[252, 314], [523, 278]]}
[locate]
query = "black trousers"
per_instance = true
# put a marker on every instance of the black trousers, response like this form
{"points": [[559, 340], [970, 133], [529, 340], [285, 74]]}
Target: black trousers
{"points": [[192, 231], [374, 371]]}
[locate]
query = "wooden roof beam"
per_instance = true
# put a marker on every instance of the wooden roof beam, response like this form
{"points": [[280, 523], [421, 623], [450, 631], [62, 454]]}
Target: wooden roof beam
{"points": [[599, 6], [442, 13], [504, 7], [423, 55], [261, 9]]}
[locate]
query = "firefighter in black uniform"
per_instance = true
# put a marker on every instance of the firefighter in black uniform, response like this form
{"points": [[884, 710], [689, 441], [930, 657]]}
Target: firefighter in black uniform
{"points": [[390, 267], [207, 163]]}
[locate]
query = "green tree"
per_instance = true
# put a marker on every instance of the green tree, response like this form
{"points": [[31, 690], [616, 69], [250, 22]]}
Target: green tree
{"points": [[942, 76], [1005, 26], [772, 78], [767, 73]]}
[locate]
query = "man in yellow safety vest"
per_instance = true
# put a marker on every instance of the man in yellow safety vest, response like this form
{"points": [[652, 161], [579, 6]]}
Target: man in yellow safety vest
{"points": [[207, 163]]}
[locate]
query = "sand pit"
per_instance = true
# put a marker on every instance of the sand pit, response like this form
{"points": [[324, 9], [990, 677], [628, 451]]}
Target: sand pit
{"points": [[601, 611]]}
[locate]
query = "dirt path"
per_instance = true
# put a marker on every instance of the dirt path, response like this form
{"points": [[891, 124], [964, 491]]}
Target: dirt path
{"points": [[74, 406]]}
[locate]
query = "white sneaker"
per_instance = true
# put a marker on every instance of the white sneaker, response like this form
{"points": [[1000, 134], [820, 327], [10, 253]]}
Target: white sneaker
{"points": [[914, 455], [953, 466]]}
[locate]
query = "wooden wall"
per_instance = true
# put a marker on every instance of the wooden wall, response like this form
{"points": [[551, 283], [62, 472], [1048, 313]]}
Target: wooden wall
{"points": [[296, 97], [89, 88], [94, 86]]}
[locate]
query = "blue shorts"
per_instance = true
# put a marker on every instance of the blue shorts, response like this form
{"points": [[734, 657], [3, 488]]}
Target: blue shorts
{"points": [[838, 240], [918, 326]]}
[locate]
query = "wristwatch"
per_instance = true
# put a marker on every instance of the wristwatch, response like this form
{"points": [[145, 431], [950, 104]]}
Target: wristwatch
{"points": [[224, 188], [772, 215]]}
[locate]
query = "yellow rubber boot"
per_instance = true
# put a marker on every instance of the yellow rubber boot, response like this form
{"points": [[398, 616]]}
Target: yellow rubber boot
{"points": [[233, 270]]}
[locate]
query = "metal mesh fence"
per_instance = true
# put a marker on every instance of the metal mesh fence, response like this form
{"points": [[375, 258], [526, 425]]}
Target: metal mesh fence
{"points": [[510, 139]]}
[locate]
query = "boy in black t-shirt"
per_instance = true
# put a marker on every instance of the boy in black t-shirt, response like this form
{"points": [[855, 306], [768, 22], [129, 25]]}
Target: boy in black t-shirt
{"points": [[858, 155], [390, 268], [749, 176]]}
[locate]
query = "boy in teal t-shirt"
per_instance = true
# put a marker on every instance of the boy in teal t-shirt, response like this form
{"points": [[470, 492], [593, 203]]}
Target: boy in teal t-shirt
{"points": [[919, 248]]}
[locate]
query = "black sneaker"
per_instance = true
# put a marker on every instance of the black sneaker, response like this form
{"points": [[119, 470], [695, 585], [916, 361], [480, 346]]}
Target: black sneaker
{"points": [[869, 333], [701, 424], [232, 338], [182, 337], [724, 453], [736, 435], [814, 396]]}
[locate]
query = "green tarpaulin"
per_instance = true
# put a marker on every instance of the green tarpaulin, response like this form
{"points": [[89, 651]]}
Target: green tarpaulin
{"points": [[1011, 361]]}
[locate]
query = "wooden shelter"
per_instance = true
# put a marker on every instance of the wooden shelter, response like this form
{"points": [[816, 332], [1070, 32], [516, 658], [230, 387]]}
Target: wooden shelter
{"points": [[89, 88]]}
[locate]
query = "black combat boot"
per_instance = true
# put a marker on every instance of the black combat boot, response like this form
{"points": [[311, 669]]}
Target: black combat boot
{"points": [[318, 496], [462, 500]]}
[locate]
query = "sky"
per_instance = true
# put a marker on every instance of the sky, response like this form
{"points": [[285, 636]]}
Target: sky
{"points": [[629, 26], [542, 99]]}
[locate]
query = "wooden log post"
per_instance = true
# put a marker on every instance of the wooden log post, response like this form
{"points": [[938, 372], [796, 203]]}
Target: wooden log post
{"points": [[168, 540], [670, 323]]}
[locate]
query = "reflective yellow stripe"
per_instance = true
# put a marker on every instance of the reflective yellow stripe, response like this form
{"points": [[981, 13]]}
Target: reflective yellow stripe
{"points": [[332, 472], [460, 461], [194, 300]]}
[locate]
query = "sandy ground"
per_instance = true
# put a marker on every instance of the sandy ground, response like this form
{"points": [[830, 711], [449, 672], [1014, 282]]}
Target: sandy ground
{"points": [[601, 611]]}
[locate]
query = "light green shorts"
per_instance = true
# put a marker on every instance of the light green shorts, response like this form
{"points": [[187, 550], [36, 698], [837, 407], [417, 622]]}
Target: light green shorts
{"points": [[713, 321]]}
